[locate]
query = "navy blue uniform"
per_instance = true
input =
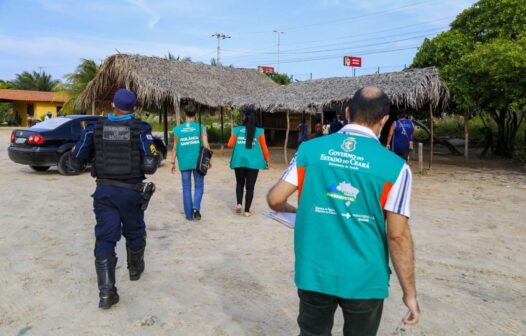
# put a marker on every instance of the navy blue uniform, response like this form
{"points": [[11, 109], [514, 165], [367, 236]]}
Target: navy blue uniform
{"points": [[114, 205]]}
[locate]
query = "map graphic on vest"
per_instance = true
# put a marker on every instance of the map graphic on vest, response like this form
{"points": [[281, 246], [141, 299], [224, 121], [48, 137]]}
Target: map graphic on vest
{"points": [[349, 144], [343, 191]]}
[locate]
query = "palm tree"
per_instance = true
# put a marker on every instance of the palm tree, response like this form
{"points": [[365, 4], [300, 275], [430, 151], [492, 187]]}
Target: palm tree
{"points": [[77, 82], [6, 84], [37, 81]]}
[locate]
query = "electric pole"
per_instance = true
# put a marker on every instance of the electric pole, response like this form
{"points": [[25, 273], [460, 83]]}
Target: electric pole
{"points": [[279, 42], [219, 37]]}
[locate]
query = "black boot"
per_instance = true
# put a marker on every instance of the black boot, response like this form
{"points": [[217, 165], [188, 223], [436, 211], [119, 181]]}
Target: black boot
{"points": [[135, 263], [106, 280]]}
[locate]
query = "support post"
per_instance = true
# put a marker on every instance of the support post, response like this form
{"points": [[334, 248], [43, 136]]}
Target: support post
{"points": [[222, 129], [231, 121], [93, 108], [165, 122], [432, 135], [177, 113], [285, 147], [466, 134], [420, 158]]}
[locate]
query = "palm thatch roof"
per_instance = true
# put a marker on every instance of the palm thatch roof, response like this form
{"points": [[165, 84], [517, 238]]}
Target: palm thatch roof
{"points": [[411, 89], [158, 81]]}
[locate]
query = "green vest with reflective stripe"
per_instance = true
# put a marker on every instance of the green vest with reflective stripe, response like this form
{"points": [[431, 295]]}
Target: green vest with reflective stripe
{"points": [[340, 238], [243, 157], [188, 144]]}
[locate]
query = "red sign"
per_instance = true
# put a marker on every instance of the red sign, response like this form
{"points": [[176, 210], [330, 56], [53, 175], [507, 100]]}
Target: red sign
{"points": [[352, 61], [265, 69]]}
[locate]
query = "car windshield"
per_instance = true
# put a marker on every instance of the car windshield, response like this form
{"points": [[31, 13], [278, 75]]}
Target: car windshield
{"points": [[51, 123]]}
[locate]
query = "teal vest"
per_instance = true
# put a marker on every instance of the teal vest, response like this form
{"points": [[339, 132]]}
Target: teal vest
{"points": [[187, 145], [243, 157], [340, 238]]}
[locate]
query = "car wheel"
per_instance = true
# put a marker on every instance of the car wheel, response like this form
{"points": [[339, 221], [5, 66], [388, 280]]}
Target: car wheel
{"points": [[39, 168], [63, 166], [160, 158]]}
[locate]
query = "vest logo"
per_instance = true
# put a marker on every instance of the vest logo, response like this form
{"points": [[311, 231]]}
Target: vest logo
{"points": [[343, 192], [349, 144]]}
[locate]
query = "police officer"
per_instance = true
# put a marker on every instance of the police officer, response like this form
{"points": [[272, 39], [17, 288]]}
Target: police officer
{"points": [[123, 151]]}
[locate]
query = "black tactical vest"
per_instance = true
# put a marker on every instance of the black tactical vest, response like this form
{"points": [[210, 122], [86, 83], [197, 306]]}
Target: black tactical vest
{"points": [[117, 153]]}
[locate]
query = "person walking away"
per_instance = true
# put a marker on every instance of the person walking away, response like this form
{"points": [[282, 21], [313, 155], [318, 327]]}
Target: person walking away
{"points": [[302, 132], [325, 128], [124, 152], [318, 131], [336, 125], [249, 155], [48, 116], [348, 185], [400, 138], [188, 138]]}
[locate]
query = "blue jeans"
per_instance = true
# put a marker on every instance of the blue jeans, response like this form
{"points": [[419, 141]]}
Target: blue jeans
{"points": [[199, 180]]}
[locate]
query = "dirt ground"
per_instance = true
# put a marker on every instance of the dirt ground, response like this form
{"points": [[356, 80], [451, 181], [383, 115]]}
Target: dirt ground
{"points": [[229, 275]]}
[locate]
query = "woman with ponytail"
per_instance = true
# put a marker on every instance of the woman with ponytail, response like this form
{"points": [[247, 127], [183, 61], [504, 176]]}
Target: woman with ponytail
{"points": [[249, 155]]}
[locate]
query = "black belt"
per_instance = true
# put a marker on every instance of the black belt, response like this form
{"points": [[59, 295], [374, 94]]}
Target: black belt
{"points": [[115, 183]]}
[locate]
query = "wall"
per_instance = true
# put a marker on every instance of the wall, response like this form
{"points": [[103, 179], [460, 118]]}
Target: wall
{"points": [[40, 110]]}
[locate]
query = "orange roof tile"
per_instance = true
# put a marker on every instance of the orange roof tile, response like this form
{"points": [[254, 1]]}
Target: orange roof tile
{"points": [[28, 96]]}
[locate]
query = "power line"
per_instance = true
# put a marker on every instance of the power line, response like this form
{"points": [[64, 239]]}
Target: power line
{"points": [[299, 51], [334, 56]]}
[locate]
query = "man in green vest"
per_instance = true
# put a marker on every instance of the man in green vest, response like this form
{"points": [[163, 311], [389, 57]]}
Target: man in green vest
{"points": [[348, 186]]}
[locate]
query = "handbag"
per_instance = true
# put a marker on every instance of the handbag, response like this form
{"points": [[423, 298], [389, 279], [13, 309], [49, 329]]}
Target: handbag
{"points": [[204, 157]]}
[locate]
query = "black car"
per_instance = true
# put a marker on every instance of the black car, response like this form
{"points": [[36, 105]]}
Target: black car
{"points": [[49, 143]]}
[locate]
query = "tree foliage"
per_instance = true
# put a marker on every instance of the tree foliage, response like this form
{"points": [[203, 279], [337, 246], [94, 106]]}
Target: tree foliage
{"points": [[36, 81], [280, 78], [77, 81], [483, 60]]}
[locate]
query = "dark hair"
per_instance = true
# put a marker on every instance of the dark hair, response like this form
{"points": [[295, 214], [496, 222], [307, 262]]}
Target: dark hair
{"points": [[369, 105], [189, 108], [402, 113], [250, 126]]}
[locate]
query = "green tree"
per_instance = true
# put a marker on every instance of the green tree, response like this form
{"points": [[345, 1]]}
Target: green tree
{"points": [[280, 78], [77, 81], [482, 58], [37, 81], [6, 84]]}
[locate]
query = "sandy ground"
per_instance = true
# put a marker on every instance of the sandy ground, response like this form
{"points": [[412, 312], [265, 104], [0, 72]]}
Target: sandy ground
{"points": [[228, 275]]}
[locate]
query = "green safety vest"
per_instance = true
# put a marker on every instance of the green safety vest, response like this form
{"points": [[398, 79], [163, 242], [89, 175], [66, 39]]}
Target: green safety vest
{"points": [[340, 240], [188, 144], [243, 157]]}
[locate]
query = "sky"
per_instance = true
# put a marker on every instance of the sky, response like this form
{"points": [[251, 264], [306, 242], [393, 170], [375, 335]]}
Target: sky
{"points": [[55, 35]]}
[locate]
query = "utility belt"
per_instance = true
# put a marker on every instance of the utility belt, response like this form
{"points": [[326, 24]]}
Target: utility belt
{"points": [[145, 189]]}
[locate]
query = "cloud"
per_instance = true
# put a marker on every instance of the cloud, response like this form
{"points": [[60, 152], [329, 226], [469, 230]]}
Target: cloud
{"points": [[154, 17]]}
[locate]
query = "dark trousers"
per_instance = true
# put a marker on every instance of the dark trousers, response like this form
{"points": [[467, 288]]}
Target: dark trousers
{"points": [[245, 177], [403, 155], [118, 210], [316, 317]]}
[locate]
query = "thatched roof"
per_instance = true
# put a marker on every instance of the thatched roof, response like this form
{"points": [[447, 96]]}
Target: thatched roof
{"points": [[158, 81], [411, 89]]}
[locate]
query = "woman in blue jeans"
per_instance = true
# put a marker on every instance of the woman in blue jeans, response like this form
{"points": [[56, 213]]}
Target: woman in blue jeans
{"points": [[188, 138]]}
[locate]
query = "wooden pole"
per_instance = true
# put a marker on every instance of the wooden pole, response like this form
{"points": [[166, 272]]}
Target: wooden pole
{"points": [[285, 147], [432, 135], [93, 108], [222, 129], [231, 121], [466, 134], [165, 122], [177, 113], [420, 158]]}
